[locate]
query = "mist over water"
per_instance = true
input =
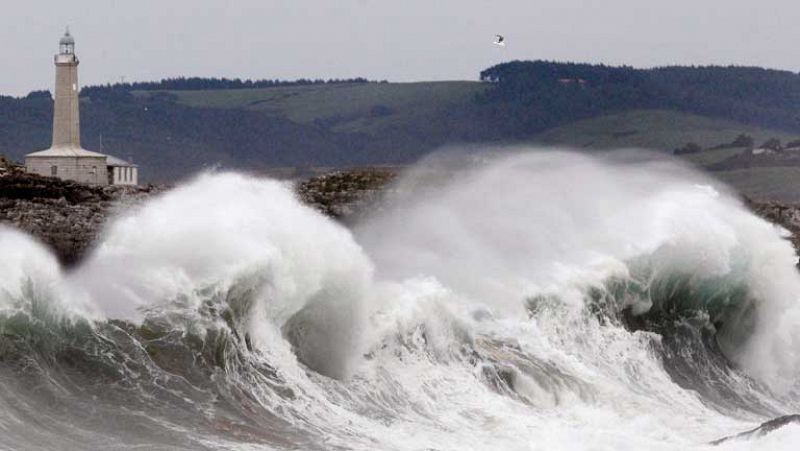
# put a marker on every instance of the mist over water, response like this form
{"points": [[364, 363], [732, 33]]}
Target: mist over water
{"points": [[529, 299], [516, 226]]}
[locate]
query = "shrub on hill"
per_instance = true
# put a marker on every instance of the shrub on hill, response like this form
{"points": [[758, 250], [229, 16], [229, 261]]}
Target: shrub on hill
{"points": [[743, 140], [772, 144], [687, 149]]}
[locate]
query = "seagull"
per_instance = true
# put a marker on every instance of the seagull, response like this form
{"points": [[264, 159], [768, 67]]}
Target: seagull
{"points": [[500, 41]]}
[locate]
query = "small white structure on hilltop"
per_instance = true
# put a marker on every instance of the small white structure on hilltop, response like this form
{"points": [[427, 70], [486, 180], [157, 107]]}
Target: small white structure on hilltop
{"points": [[65, 158]]}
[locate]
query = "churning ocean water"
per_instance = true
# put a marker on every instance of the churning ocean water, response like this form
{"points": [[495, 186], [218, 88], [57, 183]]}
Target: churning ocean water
{"points": [[526, 301]]}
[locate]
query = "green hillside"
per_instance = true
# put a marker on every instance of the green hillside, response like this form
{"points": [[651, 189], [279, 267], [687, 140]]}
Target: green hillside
{"points": [[776, 183], [668, 130], [352, 107], [656, 129], [176, 127], [173, 133]]}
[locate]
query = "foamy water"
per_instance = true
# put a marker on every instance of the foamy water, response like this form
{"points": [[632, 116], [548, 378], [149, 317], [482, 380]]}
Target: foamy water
{"points": [[530, 300]]}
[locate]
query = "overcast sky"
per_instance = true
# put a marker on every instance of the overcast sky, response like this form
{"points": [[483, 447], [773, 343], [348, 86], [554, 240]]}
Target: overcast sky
{"points": [[398, 40]]}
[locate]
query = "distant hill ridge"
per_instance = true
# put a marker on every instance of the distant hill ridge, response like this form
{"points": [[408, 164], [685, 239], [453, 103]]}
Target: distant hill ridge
{"points": [[175, 127], [200, 83]]}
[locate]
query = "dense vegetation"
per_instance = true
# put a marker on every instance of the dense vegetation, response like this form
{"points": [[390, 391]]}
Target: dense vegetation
{"points": [[176, 126], [204, 83], [537, 95]]}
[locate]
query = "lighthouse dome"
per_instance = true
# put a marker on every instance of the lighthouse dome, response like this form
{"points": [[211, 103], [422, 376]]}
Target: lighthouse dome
{"points": [[67, 39]]}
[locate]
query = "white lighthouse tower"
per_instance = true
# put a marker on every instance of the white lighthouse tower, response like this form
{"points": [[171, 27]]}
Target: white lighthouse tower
{"points": [[66, 114], [65, 158]]}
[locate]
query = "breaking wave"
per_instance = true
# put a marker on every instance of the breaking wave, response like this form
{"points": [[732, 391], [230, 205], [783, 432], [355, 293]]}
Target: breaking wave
{"points": [[525, 300]]}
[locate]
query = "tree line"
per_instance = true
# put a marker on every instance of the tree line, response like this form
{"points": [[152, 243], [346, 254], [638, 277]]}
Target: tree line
{"points": [[194, 84], [535, 95], [206, 83]]}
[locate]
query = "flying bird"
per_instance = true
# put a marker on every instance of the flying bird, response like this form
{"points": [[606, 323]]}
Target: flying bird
{"points": [[500, 41]]}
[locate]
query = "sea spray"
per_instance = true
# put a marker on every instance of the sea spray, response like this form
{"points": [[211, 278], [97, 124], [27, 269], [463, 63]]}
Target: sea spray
{"points": [[221, 230], [31, 281], [524, 300], [23, 262], [511, 226]]}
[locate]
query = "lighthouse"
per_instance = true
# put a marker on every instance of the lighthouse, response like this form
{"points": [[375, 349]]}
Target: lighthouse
{"points": [[66, 159], [66, 112]]}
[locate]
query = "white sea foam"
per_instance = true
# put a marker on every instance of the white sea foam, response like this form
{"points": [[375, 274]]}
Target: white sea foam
{"points": [[509, 227], [221, 230], [436, 349], [24, 264]]}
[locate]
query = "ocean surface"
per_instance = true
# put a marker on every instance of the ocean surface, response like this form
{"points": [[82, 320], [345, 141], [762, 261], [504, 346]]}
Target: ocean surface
{"points": [[524, 300]]}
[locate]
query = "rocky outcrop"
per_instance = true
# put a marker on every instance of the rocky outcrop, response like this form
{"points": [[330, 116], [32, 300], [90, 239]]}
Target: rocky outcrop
{"points": [[346, 195], [67, 216], [786, 215]]}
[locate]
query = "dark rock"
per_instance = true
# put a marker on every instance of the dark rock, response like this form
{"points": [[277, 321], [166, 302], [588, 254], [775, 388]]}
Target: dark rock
{"points": [[784, 214], [346, 195], [764, 429], [68, 216], [65, 215]]}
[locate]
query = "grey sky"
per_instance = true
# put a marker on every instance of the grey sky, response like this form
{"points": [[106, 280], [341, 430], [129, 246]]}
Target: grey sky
{"points": [[400, 40]]}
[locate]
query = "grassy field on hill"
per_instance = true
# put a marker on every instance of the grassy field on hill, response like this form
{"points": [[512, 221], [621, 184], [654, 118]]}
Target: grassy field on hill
{"points": [[775, 183], [358, 107], [667, 130], [658, 130]]}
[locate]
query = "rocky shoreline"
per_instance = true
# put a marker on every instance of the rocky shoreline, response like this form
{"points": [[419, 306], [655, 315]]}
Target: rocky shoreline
{"points": [[786, 215], [346, 195], [68, 216]]}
